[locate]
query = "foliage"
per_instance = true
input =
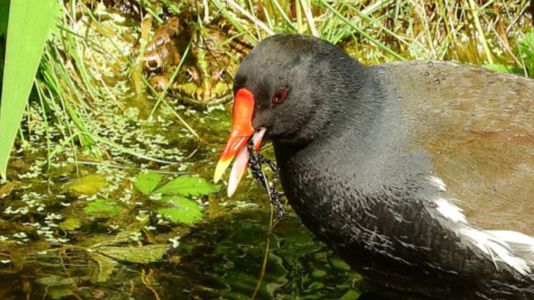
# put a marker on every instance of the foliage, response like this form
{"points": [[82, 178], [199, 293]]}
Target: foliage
{"points": [[70, 224], [24, 47], [183, 210], [188, 186], [147, 182], [503, 68], [102, 208], [86, 185], [175, 193], [526, 51]]}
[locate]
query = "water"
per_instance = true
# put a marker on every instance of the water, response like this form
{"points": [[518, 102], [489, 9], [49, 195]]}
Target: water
{"points": [[219, 259], [223, 259], [57, 251]]}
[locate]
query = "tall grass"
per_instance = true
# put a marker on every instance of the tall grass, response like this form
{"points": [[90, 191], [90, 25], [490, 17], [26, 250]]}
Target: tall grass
{"points": [[384, 30]]}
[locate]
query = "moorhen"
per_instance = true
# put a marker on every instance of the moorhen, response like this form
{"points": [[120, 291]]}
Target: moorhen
{"points": [[418, 174]]}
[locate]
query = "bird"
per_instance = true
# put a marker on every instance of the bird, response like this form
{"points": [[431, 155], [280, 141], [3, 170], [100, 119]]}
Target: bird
{"points": [[419, 174]]}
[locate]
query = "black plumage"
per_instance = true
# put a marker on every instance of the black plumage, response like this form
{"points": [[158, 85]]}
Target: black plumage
{"points": [[403, 168]]}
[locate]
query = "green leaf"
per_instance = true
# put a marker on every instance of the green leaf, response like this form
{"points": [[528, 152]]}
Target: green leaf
{"points": [[57, 287], [104, 208], [101, 267], [184, 210], [142, 255], [70, 224], [29, 25], [176, 200], [188, 186], [350, 295], [86, 185], [339, 264], [147, 182]]}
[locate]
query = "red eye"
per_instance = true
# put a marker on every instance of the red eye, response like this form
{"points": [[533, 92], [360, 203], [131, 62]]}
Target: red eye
{"points": [[280, 96]]}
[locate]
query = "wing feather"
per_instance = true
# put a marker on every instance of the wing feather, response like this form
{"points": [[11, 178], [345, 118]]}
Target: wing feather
{"points": [[478, 127]]}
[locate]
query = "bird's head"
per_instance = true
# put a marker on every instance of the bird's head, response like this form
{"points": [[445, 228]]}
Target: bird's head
{"points": [[282, 91]]}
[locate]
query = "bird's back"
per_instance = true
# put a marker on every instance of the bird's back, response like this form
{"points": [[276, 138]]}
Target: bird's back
{"points": [[478, 128]]}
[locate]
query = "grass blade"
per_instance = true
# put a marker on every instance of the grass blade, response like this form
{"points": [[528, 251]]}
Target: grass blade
{"points": [[360, 31], [29, 24], [483, 41]]}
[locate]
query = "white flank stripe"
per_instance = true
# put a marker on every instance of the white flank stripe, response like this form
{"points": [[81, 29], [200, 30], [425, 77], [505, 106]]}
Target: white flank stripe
{"points": [[497, 244], [514, 237], [450, 211], [496, 248], [437, 182]]}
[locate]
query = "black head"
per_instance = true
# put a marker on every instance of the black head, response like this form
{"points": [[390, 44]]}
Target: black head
{"points": [[292, 87], [295, 79]]}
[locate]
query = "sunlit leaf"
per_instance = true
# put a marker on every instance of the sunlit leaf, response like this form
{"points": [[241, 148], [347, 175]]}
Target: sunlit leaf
{"points": [[188, 186], [184, 210], [29, 25], [70, 224], [87, 185], [104, 208], [147, 182], [176, 200], [142, 255]]}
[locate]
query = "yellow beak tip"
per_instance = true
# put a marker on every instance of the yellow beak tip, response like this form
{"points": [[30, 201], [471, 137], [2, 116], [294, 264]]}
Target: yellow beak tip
{"points": [[219, 170]]}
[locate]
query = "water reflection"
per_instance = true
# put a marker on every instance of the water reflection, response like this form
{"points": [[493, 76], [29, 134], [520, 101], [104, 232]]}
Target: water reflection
{"points": [[223, 259]]}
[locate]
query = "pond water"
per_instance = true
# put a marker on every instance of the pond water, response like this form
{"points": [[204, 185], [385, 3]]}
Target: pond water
{"points": [[219, 259], [223, 259], [53, 247]]}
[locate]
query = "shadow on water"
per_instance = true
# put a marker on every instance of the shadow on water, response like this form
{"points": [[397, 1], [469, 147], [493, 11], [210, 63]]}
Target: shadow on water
{"points": [[223, 260]]}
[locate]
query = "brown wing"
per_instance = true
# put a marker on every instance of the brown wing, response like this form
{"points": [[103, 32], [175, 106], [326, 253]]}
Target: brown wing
{"points": [[479, 128]]}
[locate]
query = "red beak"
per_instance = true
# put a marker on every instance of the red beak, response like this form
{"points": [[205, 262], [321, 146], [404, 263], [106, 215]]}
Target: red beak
{"points": [[241, 132]]}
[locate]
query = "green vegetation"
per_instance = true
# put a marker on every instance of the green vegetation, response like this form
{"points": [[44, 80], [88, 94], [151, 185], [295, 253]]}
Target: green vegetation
{"points": [[525, 51], [24, 47], [107, 174], [175, 193], [105, 208]]}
